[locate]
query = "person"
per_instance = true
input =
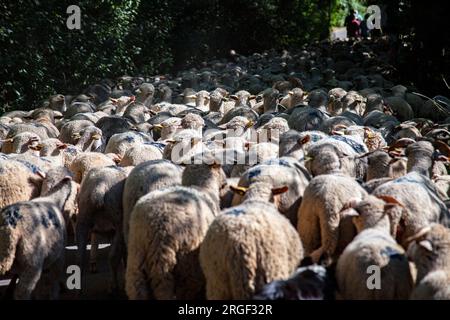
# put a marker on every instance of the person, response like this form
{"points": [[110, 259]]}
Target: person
{"points": [[352, 25], [365, 32]]}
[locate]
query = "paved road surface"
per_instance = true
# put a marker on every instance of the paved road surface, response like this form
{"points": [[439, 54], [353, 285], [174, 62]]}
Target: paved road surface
{"points": [[339, 33]]}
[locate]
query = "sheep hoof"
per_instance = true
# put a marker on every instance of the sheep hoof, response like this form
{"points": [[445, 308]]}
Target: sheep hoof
{"points": [[93, 267]]}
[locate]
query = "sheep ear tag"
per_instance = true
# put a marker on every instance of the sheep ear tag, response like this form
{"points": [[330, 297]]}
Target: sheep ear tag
{"points": [[305, 139], [281, 190], [239, 190], [426, 245]]}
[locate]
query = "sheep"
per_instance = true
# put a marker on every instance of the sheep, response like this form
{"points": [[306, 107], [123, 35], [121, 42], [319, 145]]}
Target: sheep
{"points": [[52, 131], [84, 162], [145, 94], [429, 250], [419, 196], [169, 128], [380, 165], [319, 225], [420, 159], [49, 147], [89, 139], [18, 182], [401, 108], [163, 246], [373, 246], [184, 145], [33, 240], [243, 111], [295, 144], [192, 121], [353, 102], [144, 178], [335, 96], [284, 171], [100, 211], [136, 113], [57, 102], [326, 157], [257, 245], [112, 125], [121, 142], [69, 132], [307, 118], [141, 153], [20, 143], [77, 107]]}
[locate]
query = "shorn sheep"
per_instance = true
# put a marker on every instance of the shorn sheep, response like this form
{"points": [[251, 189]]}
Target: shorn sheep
{"points": [[32, 242], [166, 229], [248, 246]]}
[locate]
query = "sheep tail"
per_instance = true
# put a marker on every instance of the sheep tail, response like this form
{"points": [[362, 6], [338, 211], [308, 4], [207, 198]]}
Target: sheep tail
{"points": [[8, 244], [161, 263]]}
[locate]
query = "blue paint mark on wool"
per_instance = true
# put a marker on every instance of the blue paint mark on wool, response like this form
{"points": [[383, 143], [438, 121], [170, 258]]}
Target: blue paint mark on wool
{"points": [[129, 139], [254, 173], [392, 253], [355, 145], [12, 216], [235, 211], [30, 166], [158, 145]]}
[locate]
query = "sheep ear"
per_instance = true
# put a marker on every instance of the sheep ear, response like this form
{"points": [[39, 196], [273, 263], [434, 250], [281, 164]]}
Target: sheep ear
{"points": [[252, 97], [239, 190], [234, 97], [390, 200], [419, 234], [215, 165], [62, 146], [170, 141], [305, 139], [36, 147], [325, 260], [191, 96], [426, 244], [41, 174], [349, 212], [443, 147], [276, 191]]}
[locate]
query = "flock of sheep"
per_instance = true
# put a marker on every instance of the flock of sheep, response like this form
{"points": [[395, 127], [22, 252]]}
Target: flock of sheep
{"points": [[272, 176]]}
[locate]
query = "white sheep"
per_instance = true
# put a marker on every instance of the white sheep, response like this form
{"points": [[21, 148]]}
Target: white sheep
{"points": [[374, 246], [248, 246]]}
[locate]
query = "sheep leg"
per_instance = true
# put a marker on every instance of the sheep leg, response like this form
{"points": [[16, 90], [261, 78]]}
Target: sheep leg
{"points": [[55, 274], [93, 253], [136, 283], [27, 282], [164, 287], [115, 257], [329, 230], [82, 237]]}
